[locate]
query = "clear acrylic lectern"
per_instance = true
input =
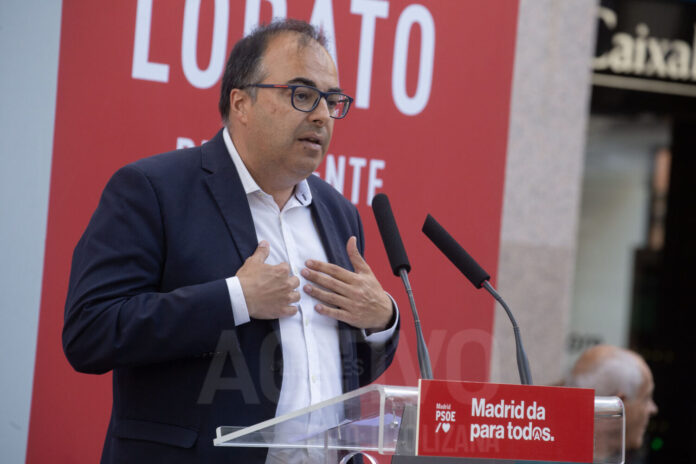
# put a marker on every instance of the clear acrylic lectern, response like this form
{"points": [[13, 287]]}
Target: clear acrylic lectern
{"points": [[381, 419]]}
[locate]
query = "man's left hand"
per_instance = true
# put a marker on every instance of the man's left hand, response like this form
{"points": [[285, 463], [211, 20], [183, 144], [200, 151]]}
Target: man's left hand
{"points": [[356, 298]]}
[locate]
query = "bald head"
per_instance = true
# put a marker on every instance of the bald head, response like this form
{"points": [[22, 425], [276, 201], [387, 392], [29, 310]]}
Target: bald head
{"points": [[609, 370], [614, 371]]}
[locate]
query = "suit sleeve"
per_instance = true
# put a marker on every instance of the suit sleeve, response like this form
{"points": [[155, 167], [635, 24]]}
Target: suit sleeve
{"points": [[116, 314]]}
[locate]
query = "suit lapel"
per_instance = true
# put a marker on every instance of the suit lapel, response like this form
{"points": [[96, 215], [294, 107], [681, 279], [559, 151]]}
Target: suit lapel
{"points": [[227, 191], [335, 253], [331, 239]]}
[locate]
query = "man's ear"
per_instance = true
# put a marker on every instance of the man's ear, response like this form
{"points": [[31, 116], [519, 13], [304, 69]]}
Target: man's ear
{"points": [[240, 102]]}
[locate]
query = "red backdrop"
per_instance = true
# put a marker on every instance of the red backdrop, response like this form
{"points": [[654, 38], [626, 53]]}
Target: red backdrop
{"points": [[436, 146]]}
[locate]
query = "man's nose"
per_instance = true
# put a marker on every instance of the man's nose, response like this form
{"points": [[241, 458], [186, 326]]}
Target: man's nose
{"points": [[653, 408], [321, 113]]}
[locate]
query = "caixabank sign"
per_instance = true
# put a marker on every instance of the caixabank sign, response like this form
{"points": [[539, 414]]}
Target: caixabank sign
{"points": [[645, 58], [483, 420]]}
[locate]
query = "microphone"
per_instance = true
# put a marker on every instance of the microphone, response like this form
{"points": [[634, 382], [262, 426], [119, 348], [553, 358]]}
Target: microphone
{"points": [[400, 267], [390, 234], [479, 278], [454, 252]]}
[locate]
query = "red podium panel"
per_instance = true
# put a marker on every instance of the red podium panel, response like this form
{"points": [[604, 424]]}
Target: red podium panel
{"points": [[484, 420]]}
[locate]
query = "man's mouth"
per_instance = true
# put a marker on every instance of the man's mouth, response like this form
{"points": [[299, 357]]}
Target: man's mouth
{"points": [[311, 140]]}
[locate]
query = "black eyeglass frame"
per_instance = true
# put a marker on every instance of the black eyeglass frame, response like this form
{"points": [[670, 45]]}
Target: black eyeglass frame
{"points": [[294, 87]]}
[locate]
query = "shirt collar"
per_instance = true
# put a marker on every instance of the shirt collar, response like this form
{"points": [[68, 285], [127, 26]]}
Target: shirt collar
{"points": [[302, 192]]}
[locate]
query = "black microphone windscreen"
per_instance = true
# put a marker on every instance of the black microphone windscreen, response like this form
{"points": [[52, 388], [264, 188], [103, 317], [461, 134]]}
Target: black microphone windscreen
{"points": [[454, 251], [390, 234]]}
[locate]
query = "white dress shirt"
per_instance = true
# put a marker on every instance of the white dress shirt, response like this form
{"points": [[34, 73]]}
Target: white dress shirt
{"points": [[312, 361]]}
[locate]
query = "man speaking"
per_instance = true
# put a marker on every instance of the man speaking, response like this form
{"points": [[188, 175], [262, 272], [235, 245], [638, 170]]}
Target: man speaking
{"points": [[224, 284]]}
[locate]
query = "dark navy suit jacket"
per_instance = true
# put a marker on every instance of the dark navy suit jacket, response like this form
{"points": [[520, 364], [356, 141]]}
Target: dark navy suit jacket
{"points": [[148, 300]]}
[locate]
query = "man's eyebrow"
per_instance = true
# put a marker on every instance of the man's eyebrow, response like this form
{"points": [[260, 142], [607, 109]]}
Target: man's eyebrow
{"points": [[310, 82]]}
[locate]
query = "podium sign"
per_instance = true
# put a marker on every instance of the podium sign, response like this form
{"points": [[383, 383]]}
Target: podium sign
{"points": [[484, 420]]}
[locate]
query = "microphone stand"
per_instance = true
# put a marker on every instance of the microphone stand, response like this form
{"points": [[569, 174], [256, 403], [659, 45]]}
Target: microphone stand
{"points": [[426, 369], [522, 363]]}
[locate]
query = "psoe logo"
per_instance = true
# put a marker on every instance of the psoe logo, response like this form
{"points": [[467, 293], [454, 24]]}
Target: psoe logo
{"points": [[444, 416]]}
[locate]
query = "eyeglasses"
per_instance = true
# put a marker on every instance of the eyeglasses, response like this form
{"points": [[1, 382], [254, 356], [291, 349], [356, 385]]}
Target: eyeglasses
{"points": [[305, 98]]}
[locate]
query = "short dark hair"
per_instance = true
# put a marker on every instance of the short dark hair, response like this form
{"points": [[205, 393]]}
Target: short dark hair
{"points": [[244, 64]]}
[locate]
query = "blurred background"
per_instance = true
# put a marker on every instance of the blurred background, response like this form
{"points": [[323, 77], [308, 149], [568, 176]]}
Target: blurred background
{"points": [[597, 241]]}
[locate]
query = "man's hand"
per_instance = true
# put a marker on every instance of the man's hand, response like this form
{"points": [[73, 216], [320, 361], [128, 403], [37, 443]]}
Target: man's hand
{"points": [[355, 298], [269, 290]]}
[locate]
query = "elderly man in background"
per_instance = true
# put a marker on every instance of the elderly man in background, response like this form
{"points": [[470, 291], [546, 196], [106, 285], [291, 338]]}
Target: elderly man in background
{"points": [[614, 371]]}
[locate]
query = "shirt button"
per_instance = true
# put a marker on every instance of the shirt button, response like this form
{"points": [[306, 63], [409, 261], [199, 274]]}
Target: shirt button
{"points": [[314, 379], [306, 322]]}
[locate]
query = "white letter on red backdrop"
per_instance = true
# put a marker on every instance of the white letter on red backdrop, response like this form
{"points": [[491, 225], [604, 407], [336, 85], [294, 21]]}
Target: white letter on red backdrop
{"points": [[142, 68], [358, 164], [184, 142], [204, 78], [370, 11], [253, 13], [373, 182], [411, 15], [335, 175], [322, 17]]}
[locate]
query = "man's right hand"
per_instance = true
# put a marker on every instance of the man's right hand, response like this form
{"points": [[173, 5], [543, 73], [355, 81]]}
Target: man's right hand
{"points": [[269, 290]]}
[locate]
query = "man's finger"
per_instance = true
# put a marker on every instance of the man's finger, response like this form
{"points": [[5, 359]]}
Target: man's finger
{"points": [[333, 270], [282, 269], [355, 257], [288, 311], [330, 298], [326, 281], [294, 281], [337, 314], [262, 251]]}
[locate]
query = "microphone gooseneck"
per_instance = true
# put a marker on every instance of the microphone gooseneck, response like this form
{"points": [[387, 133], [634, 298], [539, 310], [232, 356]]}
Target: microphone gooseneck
{"points": [[400, 267], [479, 278], [522, 363]]}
